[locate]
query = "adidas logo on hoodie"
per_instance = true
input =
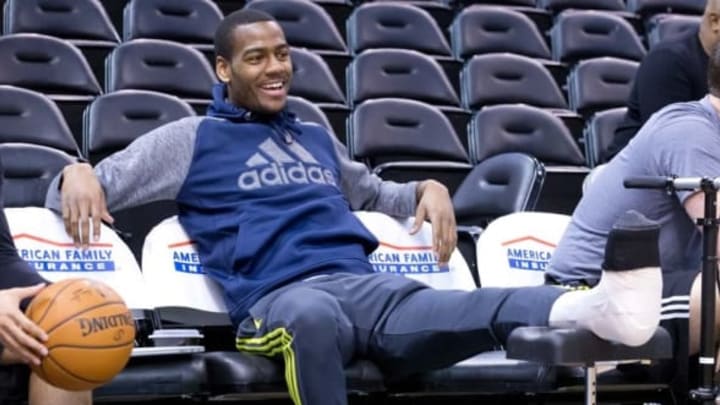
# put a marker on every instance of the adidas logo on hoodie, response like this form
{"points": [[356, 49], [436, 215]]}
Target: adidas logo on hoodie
{"points": [[280, 168]]}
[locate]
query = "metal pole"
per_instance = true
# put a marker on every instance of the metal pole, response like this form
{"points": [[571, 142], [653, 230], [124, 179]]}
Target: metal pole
{"points": [[590, 384], [705, 393]]}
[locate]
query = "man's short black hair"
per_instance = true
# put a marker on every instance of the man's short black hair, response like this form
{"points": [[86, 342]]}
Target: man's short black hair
{"points": [[223, 34], [714, 71]]}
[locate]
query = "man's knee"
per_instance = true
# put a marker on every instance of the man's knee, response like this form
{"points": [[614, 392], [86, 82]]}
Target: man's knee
{"points": [[305, 309]]}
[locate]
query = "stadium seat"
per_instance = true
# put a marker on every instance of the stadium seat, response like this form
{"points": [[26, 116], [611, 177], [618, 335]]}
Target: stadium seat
{"points": [[170, 260], [191, 22], [497, 186], [312, 78], [501, 78], [83, 23], [539, 133], [400, 73], [314, 81], [600, 83], [665, 26], [307, 111], [486, 29], [600, 132], [305, 23], [406, 140], [29, 169], [650, 7], [146, 377], [585, 34], [112, 121], [27, 116], [395, 25], [53, 67], [557, 6], [164, 66]]}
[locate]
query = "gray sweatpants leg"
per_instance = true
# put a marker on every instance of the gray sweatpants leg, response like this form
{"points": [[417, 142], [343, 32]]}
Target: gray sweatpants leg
{"points": [[318, 326]]}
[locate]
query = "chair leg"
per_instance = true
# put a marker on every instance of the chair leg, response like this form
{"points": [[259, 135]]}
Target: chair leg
{"points": [[590, 384]]}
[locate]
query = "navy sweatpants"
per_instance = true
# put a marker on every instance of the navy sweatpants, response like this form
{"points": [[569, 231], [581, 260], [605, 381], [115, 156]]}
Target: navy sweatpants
{"points": [[403, 326]]}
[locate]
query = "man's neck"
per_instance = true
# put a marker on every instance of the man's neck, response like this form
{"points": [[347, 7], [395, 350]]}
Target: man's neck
{"points": [[715, 101]]}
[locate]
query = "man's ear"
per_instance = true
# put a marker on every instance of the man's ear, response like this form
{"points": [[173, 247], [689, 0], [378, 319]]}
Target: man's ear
{"points": [[222, 69]]}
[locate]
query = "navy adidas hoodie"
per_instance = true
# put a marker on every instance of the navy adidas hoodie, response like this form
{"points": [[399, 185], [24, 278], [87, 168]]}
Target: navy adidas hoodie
{"points": [[262, 203], [267, 201]]}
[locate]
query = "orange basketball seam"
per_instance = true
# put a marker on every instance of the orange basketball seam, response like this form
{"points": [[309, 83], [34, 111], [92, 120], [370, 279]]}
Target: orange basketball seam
{"points": [[49, 305], [73, 375], [66, 346], [69, 318]]}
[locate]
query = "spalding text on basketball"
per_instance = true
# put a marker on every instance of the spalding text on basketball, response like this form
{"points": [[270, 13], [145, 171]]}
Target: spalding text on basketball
{"points": [[96, 324]]}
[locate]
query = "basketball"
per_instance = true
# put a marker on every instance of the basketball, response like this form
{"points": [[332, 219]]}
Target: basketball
{"points": [[90, 333]]}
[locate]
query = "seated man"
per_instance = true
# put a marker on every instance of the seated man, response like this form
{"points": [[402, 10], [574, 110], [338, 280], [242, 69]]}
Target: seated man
{"points": [[683, 140], [268, 199], [673, 71], [20, 339]]}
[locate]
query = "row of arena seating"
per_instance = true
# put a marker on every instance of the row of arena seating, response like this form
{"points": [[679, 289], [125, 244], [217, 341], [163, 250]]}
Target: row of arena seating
{"points": [[184, 349]]}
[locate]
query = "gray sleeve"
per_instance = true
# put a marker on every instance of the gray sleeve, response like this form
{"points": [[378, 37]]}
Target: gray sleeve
{"points": [[367, 191], [151, 168]]}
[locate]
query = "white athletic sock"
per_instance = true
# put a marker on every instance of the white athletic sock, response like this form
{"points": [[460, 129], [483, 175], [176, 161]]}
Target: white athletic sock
{"points": [[624, 307]]}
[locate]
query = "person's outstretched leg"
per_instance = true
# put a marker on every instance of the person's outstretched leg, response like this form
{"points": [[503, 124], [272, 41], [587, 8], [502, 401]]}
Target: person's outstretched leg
{"points": [[42, 393], [430, 328], [315, 338]]}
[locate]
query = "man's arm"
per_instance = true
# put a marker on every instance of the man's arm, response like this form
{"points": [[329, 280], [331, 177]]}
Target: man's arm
{"points": [[426, 200], [151, 168]]}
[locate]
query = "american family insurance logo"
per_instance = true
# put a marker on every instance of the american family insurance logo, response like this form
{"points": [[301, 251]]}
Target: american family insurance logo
{"points": [[185, 258], [46, 255], [528, 253], [405, 260]]}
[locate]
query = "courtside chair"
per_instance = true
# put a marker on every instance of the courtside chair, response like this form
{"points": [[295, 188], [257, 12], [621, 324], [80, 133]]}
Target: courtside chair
{"points": [[313, 80], [395, 25], [539, 133], [501, 78], [399, 73], [187, 296], [53, 67], [600, 83], [112, 121], [308, 111], [481, 29], [28, 171], [668, 26], [403, 25], [556, 6], [405, 140], [153, 372], [649, 7], [27, 116], [83, 23], [192, 22], [585, 34], [497, 186], [600, 132], [164, 66]]}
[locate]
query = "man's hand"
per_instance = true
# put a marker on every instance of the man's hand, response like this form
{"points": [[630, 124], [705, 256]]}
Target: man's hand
{"points": [[83, 200], [18, 334], [434, 205]]}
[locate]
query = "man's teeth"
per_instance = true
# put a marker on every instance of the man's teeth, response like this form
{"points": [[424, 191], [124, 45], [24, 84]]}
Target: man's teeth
{"points": [[273, 86]]}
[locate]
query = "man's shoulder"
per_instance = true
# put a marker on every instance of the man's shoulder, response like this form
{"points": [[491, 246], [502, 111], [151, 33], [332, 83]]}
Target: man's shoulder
{"points": [[675, 48]]}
